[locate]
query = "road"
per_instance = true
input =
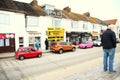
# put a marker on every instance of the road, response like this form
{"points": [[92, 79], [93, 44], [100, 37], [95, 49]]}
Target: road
{"points": [[14, 69]]}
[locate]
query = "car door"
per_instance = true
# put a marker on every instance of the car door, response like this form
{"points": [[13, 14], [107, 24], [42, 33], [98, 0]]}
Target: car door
{"points": [[69, 46], [26, 52], [90, 44], [33, 52]]}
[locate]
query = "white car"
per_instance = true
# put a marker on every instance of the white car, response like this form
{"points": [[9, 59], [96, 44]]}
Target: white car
{"points": [[97, 42]]}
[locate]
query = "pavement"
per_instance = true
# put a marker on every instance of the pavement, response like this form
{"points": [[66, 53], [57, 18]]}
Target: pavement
{"points": [[91, 70]]}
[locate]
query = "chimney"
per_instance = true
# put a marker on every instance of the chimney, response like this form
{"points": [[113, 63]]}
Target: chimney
{"points": [[34, 3], [67, 9], [87, 14]]}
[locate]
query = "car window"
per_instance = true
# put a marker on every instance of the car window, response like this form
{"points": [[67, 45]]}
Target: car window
{"points": [[68, 43], [53, 43], [25, 50], [62, 43], [32, 49]]}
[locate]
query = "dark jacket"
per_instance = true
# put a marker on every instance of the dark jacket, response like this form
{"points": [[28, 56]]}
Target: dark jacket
{"points": [[108, 39]]}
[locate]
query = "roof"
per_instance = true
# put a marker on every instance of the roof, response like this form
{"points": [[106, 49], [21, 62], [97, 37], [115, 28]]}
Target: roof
{"points": [[20, 7], [35, 10], [113, 21]]}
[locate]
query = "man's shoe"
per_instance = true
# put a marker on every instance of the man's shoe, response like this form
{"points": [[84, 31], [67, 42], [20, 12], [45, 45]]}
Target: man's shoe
{"points": [[105, 70], [112, 71]]}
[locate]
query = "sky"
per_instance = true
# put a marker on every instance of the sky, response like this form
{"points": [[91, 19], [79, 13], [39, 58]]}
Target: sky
{"points": [[102, 9]]}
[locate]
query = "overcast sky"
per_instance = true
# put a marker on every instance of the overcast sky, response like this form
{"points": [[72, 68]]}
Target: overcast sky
{"points": [[102, 9]]}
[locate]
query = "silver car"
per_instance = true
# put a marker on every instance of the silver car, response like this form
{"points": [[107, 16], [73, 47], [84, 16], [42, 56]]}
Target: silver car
{"points": [[97, 42]]}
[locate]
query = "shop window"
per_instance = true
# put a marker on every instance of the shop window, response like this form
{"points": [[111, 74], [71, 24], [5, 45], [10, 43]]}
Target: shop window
{"points": [[1, 42], [38, 38], [21, 41], [31, 41], [7, 42]]}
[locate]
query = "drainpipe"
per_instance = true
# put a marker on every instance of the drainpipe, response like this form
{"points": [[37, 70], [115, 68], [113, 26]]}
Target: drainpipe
{"points": [[26, 22]]}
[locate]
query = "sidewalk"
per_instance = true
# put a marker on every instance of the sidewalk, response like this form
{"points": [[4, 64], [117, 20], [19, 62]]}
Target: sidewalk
{"points": [[12, 54]]}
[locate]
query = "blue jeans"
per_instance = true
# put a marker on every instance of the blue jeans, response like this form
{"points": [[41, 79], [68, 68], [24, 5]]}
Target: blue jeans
{"points": [[108, 58]]}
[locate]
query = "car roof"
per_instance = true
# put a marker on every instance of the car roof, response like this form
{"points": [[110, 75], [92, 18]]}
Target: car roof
{"points": [[25, 47]]}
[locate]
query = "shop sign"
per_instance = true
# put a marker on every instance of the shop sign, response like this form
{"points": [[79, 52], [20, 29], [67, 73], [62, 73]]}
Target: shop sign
{"points": [[7, 35]]}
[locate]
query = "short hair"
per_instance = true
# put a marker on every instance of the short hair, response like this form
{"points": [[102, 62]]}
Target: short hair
{"points": [[110, 26]]}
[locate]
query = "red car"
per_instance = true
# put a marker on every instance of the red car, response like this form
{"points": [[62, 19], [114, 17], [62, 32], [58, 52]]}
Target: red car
{"points": [[27, 52]]}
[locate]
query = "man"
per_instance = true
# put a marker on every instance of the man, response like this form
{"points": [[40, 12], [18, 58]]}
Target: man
{"points": [[108, 40], [37, 44], [46, 44]]}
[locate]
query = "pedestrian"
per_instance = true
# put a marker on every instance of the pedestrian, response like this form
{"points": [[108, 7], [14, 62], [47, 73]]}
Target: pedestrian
{"points": [[46, 44], [37, 44], [108, 40]]}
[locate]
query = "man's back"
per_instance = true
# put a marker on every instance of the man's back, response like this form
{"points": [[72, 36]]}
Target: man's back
{"points": [[108, 39]]}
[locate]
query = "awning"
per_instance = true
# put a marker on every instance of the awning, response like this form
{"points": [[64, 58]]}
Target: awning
{"points": [[95, 34]]}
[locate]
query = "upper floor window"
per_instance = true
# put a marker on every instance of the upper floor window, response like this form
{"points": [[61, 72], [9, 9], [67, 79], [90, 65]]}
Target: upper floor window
{"points": [[56, 22], [49, 12], [95, 26], [32, 21], [74, 25], [85, 26], [4, 18]]}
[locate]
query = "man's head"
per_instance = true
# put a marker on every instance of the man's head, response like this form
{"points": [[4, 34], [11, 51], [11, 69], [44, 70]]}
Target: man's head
{"points": [[111, 27]]}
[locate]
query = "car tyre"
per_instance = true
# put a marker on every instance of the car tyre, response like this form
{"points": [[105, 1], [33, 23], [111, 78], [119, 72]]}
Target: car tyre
{"points": [[60, 51], [85, 47], [21, 58], [39, 55], [73, 49]]}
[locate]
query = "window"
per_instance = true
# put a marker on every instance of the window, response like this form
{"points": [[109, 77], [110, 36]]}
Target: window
{"points": [[21, 42], [1, 42], [7, 42], [32, 21], [85, 27], [94, 26], [4, 18], [49, 12], [56, 22], [74, 24]]}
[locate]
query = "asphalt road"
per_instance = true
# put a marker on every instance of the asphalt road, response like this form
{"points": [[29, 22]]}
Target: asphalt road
{"points": [[14, 69]]}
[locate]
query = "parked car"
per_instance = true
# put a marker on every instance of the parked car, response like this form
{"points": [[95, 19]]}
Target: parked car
{"points": [[97, 42], [27, 52], [87, 44], [60, 47], [117, 40]]}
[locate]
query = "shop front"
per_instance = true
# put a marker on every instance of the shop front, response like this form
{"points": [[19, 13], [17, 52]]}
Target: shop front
{"points": [[33, 37], [77, 37], [95, 35], [7, 42]]}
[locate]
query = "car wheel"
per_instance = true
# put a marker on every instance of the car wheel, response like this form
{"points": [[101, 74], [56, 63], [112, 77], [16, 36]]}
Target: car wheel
{"points": [[39, 55], [60, 51], [73, 49], [21, 58], [85, 47]]}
